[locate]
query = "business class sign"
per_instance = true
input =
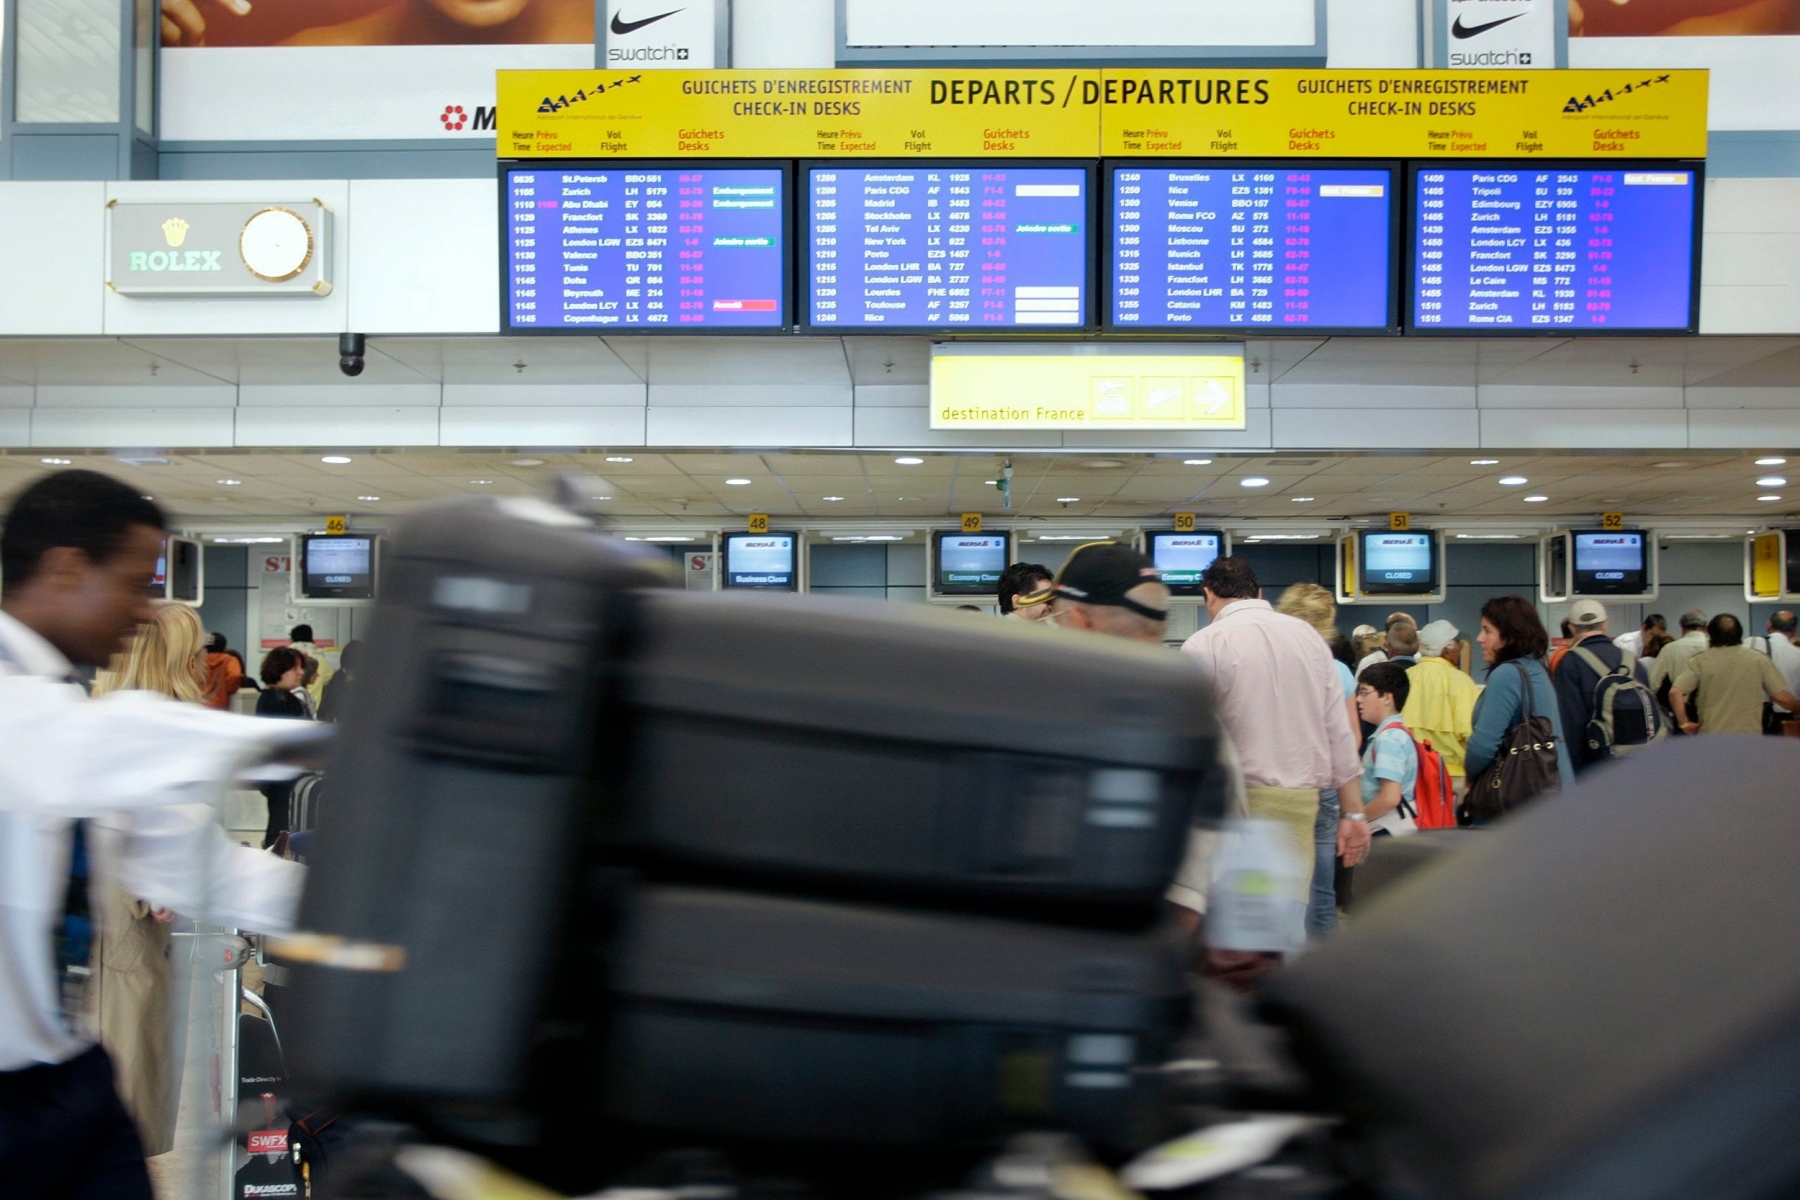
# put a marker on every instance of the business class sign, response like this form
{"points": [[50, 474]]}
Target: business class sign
{"points": [[1202, 112]]}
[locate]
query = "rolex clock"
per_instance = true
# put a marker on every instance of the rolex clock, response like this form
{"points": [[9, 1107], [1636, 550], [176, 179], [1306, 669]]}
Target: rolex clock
{"points": [[270, 247], [276, 244]]}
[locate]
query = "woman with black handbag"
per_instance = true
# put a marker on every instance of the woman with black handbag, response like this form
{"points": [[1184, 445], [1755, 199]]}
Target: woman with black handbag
{"points": [[1516, 750]]}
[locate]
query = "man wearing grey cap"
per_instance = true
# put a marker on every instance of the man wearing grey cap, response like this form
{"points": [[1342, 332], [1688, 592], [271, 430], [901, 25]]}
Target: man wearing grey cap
{"points": [[1676, 654], [1440, 705], [1592, 655]]}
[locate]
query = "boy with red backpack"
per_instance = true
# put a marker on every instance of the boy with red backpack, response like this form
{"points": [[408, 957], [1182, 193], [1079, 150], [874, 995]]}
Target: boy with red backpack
{"points": [[1405, 786]]}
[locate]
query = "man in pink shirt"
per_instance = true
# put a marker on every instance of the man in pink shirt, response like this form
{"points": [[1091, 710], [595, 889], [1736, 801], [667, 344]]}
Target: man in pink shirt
{"points": [[1280, 699]]}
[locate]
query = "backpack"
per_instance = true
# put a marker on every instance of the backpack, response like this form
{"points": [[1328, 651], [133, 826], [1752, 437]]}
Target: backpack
{"points": [[1626, 716], [1434, 804]]}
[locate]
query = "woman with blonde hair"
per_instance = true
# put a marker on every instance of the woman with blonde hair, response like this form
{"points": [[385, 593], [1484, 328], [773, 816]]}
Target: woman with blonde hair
{"points": [[1316, 606], [132, 988]]}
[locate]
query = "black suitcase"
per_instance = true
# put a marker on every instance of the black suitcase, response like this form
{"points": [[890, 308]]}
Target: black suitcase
{"points": [[914, 753], [753, 1019], [1596, 1001], [458, 795]]}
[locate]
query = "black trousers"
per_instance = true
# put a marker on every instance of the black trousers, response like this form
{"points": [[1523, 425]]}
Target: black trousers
{"points": [[278, 795], [65, 1135]]}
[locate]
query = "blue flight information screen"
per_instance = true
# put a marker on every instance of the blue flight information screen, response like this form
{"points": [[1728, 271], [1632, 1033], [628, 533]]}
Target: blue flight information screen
{"points": [[945, 244], [1229, 246], [1565, 248], [641, 247]]}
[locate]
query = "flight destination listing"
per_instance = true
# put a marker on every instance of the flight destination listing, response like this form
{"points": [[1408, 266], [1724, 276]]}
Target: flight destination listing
{"points": [[1571, 248], [593, 247], [1197, 247], [948, 244]]}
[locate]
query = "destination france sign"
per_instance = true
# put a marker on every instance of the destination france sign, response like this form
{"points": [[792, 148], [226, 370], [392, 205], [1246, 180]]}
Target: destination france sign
{"points": [[1044, 113]]}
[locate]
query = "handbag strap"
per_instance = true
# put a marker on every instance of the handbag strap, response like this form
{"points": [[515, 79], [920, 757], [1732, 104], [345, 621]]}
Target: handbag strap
{"points": [[1525, 689]]}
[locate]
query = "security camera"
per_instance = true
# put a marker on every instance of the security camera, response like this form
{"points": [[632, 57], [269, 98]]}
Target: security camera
{"points": [[350, 353]]}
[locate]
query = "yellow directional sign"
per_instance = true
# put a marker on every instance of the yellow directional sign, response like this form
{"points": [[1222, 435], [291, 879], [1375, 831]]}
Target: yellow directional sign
{"points": [[1765, 573], [1399, 520], [759, 523], [1042, 112], [1612, 521], [1184, 522], [971, 523], [336, 525]]}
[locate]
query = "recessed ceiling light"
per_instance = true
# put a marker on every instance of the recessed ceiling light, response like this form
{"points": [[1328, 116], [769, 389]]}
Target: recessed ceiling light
{"points": [[1068, 499], [1196, 462], [1767, 499], [1253, 481], [55, 462], [1488, 537], [1666, 465], [1301, 499], [991, 482], [738, 482], [831, 499], [481, 482], [1771, 481], [1484, 462], [336, 460], [1536, 499], [526, 462], [1513, 480], [619, 458], [907, 460], [228, 482], [1771, 462], [884, 537], [369, 499], [149, 497], [599, 497], [669, 537]]}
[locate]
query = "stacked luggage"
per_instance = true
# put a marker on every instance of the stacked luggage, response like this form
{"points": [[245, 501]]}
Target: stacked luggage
{"points": [[749, 869]]}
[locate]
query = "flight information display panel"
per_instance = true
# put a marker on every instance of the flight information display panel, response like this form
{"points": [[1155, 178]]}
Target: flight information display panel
{"points": [[1535, 248], [645, 247], [1222, 246], [936, 245]]}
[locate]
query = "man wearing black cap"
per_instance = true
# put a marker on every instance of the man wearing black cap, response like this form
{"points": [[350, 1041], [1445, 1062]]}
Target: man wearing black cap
{"points": [[1111, 589]]}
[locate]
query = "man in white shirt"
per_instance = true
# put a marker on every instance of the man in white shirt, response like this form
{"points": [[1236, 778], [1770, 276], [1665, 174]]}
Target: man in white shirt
{"points": [[127, 777], [1280, 699], [1780, 648], [1633, 643]]}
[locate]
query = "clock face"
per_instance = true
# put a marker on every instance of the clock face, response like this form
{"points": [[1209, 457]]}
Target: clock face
{"points": [[276, 244]]}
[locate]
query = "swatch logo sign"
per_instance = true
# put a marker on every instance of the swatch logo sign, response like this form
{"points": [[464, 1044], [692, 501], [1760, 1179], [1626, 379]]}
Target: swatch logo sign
{"points": [[654, 33]]}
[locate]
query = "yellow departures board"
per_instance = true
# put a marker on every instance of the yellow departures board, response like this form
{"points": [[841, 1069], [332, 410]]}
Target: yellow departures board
{"points": [[1405, 114], [798, 114], [1117, 112]]}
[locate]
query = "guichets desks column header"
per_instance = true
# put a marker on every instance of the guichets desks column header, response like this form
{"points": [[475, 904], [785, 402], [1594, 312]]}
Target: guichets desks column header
{"points": [[1199, 112]]}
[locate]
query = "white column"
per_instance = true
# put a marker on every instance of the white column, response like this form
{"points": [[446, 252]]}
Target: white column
{"points": [[783, 33]]}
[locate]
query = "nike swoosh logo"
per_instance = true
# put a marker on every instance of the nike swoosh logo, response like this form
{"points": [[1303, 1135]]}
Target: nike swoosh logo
{"points": [[1456, 30], [621, 26]]}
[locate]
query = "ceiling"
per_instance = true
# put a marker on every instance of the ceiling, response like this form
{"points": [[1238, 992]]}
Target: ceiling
{"points": [[692, 487], [161, 362]]}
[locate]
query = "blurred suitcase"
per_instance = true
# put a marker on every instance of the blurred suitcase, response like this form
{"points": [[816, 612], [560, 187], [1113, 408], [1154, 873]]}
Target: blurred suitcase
{"points": [[909, 754], [458, 796], [1598, 1002], [304, 802], [758, 1019]]}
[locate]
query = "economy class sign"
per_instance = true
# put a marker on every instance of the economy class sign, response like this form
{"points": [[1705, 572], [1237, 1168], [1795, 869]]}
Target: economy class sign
{"points": [[1204, 113], [897, 113]]}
